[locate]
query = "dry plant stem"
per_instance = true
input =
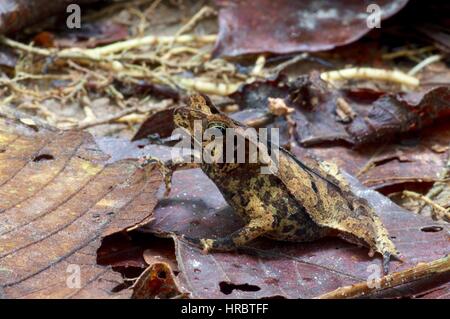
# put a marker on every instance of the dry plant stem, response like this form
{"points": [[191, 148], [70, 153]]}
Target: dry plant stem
{"points": [[407, 53], [394, 76], [424, 63], [280, 67], [101, 53], [439, 212], [202, 13], [371, 162], [259, 65], [116, 117], [418, 272], [15, 114], [104, 51], [207, 87], [438, 186]]}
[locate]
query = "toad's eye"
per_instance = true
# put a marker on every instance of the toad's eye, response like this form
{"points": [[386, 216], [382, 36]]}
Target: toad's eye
{"points": [[218, 126]]}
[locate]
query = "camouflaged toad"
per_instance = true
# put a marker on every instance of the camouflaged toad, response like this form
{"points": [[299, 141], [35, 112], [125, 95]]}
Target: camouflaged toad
{"points": [[297, 203]]}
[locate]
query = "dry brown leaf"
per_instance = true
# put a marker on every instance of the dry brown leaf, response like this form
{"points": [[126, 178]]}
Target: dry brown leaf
{"points": [[410, 160], [59, 195], [285, 26]]}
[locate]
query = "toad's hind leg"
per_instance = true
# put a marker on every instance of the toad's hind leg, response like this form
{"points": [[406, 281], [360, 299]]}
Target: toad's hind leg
{"points": [[261, 222]]}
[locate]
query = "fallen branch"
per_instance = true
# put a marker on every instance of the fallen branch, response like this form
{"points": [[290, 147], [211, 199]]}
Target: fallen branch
{"points": [[418, 272]]}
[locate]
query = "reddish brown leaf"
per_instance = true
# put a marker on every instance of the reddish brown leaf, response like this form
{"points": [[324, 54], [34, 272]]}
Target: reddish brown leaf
{"points": [[287, 26], [160, 124], [59, 195], [399, 113], [412, 159], [156, 281], [378, 116]]}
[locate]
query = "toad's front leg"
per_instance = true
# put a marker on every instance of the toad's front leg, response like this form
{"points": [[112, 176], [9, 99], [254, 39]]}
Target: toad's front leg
{"points": [[167, 168], [261, 223]]}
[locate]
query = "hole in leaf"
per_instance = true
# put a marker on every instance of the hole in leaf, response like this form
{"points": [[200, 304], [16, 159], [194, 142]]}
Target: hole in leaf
{"points": [[431, 229], [43, 157], [228, 287], [162, 275]]}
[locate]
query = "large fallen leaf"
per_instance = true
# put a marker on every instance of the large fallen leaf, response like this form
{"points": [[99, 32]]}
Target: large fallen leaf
{"points": [[269, 268], [287, 26], [60, 194]]}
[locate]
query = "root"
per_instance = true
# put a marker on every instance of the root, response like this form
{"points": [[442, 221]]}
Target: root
{"points": [[394, 76]]}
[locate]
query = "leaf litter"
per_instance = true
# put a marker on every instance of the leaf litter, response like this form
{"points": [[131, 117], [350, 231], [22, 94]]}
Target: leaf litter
{"points": [[404, 156]]}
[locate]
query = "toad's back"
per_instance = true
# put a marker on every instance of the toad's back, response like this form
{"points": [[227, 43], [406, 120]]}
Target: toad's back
{"points": [[241, 183]]}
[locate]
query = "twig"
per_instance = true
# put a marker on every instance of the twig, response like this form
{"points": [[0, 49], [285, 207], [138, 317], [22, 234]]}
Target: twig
{"points": [[418, 272], [101, 53], [438, 211], [280, 67], [344, 110], [370, 74], [408, 53], [202, 13], [207, 87], [259, 65], [424, 63], [118, 115], [371, 162], [438, 186]]}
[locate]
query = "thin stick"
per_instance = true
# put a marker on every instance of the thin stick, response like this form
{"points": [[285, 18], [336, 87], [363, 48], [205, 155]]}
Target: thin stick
{"points": [[121, 114], [259, 65], [101, 53], [418, 272], [280, 67], [206, 86], [439, 211], [202, 13], [407, 53], [424, 63], [438, 187]]}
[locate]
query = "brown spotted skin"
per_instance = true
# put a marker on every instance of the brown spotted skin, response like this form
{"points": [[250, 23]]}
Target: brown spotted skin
{"points": [[264, 200], [296, 203]]}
